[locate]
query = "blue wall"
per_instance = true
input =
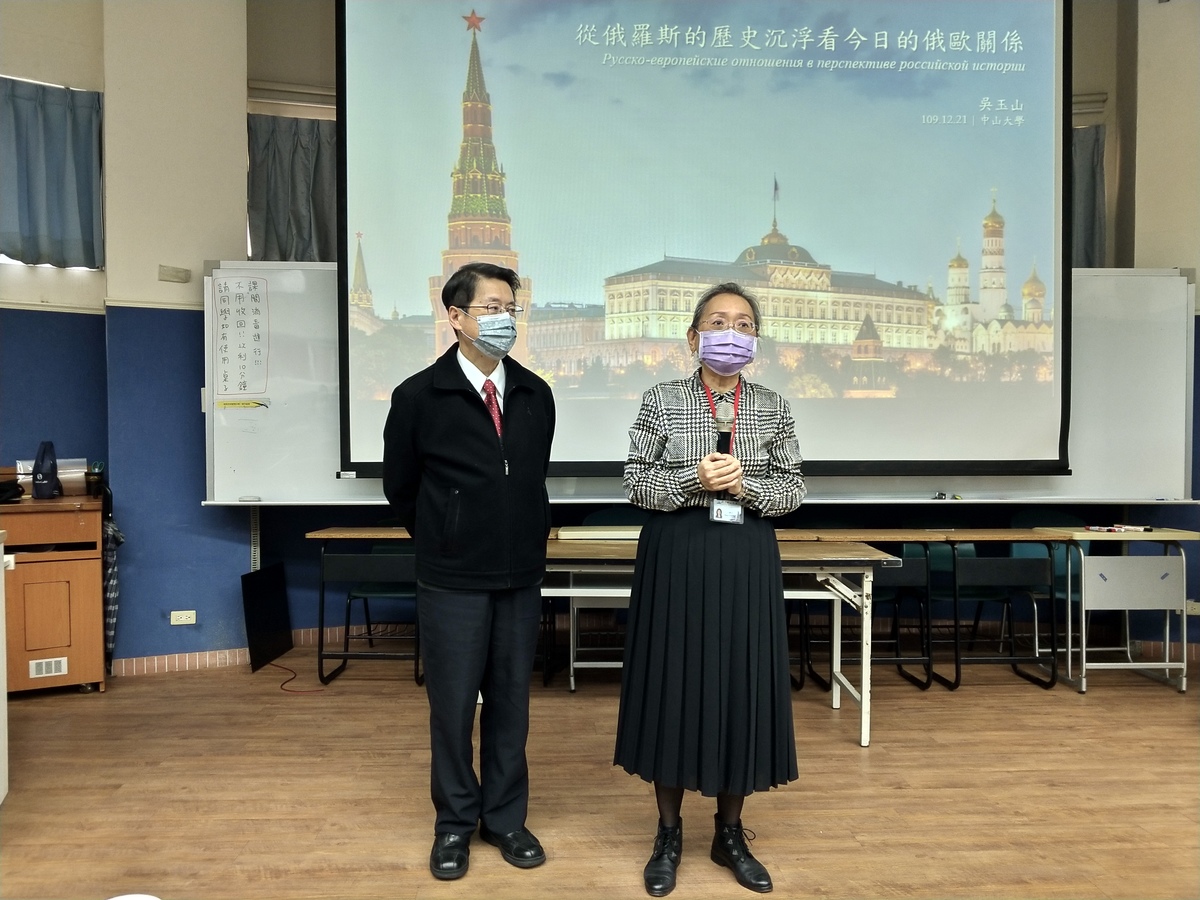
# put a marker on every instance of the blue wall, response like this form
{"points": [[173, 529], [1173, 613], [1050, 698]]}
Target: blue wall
{"points": [[125, 388], [177, 553], [53, 385]]}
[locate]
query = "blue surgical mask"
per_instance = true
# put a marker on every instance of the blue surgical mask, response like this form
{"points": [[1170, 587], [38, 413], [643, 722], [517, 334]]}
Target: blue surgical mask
{"points": [[497, 334]]}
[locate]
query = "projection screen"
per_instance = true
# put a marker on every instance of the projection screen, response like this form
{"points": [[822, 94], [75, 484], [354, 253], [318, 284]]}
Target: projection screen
{"points": [[884, 175]]}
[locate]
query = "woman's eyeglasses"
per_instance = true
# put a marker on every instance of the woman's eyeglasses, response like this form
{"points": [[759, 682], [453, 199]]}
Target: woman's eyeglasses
{"points": [[721, 323]]}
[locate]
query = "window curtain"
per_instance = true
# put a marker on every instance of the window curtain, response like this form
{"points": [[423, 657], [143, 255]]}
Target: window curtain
{"points": [[293, 189], [51, 184], [1087, 197]]}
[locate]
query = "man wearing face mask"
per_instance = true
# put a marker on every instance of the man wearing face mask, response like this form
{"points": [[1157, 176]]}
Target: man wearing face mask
{"points": [[705, 692], [466, 448]]}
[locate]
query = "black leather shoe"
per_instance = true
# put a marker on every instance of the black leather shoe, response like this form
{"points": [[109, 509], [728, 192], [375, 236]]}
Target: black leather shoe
{"points": [[659, 873], [450, 856], [519, 848], [729, 849]]}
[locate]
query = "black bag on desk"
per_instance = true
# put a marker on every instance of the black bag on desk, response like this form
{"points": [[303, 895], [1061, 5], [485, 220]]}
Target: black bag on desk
{"points": [[45, 473], [10, 490]]}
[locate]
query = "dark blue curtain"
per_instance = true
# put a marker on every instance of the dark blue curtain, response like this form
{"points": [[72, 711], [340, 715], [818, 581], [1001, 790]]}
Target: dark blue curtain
{"points": [[1087, 191], [51, 187], [292, 189]]}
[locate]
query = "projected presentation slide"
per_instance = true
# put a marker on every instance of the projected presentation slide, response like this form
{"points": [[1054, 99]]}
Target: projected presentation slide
{"points": [[883, 176]]}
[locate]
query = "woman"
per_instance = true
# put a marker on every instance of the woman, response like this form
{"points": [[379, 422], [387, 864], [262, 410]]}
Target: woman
{"points": [[705, 695]]}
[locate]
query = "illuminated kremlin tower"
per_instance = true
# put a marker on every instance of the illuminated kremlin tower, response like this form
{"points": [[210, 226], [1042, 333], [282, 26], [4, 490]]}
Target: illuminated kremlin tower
{"points": [[479, 227], [1033, 298], [993, 287], [362, 301]]}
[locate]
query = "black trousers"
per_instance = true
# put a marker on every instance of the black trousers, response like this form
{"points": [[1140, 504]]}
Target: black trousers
{"points": [[476, 643]]}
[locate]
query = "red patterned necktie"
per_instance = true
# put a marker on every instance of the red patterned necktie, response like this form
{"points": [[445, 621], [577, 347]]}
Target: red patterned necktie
{"points": [[489, 400]]}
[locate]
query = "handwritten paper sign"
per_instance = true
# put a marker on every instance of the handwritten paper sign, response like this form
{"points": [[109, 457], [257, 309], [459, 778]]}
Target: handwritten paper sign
{"points": [[241, 334]]}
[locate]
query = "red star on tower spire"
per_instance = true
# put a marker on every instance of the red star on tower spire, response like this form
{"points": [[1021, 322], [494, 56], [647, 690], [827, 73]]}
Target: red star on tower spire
{"points": [[473, 21]]}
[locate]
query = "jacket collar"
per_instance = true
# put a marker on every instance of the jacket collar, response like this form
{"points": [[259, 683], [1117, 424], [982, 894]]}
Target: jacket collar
{"points": [[448, 374]]}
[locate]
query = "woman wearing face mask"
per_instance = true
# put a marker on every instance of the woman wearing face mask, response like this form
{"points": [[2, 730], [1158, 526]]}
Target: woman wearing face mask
{"points": [[705, 696]]}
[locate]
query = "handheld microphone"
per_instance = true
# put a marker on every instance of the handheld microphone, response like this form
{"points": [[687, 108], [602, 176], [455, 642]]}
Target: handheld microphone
{"points": [[724, 420]]}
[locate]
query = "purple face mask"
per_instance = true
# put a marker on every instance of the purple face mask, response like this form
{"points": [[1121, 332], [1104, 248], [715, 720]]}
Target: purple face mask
{"points": [[727, 352]]}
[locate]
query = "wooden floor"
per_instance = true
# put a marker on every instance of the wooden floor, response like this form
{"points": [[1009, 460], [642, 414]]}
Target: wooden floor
{"points": [[220, 784]]}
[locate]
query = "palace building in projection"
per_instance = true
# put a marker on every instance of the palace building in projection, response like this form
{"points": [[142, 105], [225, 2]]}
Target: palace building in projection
{"points": [[805, 304]]}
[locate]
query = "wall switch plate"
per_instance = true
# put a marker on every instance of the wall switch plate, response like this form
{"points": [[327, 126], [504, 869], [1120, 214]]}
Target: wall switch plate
{"points": [[183, 617]]}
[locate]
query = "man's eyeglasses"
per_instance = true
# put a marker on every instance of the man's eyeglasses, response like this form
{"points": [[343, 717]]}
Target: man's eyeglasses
{"points": [[495, 308], [720, 323]]}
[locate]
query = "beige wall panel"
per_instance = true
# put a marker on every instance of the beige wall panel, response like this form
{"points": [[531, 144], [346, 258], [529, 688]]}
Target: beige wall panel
{"points": [[175, 144], [55, 41], [292, 42], [1167, 220]]}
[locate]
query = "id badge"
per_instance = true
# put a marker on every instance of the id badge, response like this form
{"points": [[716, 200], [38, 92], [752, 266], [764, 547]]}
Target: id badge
{"points": [[728, 511]]}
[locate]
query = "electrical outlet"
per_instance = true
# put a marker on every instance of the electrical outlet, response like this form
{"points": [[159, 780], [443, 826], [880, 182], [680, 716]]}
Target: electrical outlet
{"points": [[1193, 607], [183, 617]]}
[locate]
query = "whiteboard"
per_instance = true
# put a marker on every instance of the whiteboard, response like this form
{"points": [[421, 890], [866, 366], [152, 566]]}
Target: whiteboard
{"points": [[273, 436], [271, 386], [1133, 336]]}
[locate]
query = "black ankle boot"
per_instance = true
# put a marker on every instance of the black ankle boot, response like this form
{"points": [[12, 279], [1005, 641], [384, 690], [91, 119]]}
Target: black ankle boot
{"points": [[729, 849], [659, 873]]}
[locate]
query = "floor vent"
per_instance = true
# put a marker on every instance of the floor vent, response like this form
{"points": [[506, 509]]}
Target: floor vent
{"points": [[47, 668]]}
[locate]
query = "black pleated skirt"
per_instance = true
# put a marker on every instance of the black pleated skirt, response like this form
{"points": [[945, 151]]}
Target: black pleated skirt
{"points": [[706, 699]]}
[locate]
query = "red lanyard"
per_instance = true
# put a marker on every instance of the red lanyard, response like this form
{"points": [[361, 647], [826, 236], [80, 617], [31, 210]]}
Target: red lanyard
{"points": [[737, 395]]}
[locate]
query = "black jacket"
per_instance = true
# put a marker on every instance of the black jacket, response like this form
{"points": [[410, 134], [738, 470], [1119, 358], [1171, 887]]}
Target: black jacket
{"points": [[476, 506]]}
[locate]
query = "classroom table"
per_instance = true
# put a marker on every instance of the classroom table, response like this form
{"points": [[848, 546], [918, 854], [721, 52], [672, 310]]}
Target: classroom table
{"points": [[1125, 583], [598, 572]]}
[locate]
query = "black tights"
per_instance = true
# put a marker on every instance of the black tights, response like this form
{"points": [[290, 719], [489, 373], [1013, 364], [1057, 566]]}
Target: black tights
{"points": [[670, 801]]}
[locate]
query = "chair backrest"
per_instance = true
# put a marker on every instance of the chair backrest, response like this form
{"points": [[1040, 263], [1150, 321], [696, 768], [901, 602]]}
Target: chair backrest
{"points": [[1006, 571], [1048, 518], [913, 570]]}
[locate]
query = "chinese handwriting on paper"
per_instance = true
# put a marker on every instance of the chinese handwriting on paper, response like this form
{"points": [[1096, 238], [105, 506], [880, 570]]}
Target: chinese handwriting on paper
{"points": [[241, 335]]}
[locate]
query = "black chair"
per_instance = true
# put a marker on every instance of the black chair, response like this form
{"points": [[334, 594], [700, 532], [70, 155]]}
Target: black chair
{"points": [[893, 588], [992, 573], [390, 578], [1067, 567]]}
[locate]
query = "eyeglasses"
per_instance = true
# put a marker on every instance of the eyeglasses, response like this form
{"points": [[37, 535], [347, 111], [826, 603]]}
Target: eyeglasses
{"points": [[720, 323], [495, 308]]}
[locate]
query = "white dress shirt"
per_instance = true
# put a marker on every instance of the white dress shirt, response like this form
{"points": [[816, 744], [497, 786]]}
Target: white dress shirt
{"points": [[477, 378]]}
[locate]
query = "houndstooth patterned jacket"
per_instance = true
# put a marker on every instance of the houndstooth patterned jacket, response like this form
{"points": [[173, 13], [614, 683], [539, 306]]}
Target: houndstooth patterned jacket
{"points": [[674, 430]]}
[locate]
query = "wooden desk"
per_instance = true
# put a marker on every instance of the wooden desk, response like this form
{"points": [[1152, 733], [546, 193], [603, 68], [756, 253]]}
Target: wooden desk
{"points": [[54, 593], [3, 681], [1127, 583], [881, 535]]}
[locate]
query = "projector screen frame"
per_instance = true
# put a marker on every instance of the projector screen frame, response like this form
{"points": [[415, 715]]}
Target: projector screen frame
{"points": [[370, 468]]}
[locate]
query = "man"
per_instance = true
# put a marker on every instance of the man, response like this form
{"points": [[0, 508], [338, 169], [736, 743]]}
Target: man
{"points": [[465, 453]]}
